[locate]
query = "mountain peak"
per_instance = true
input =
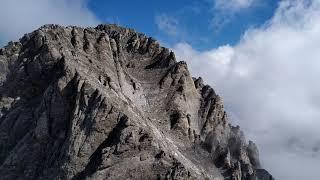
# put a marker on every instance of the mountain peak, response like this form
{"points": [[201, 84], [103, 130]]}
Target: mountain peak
{"points": [[111, 103]]}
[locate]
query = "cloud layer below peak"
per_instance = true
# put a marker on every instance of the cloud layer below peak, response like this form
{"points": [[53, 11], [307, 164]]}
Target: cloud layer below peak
{"points": [[269, 81]]}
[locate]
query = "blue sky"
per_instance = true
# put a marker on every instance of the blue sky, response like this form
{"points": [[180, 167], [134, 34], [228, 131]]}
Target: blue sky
{"points": [[192, 20], [202, 23]]}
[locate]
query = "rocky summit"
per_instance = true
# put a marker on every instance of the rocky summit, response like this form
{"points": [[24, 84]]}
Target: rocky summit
{"points": [[111, 103]]}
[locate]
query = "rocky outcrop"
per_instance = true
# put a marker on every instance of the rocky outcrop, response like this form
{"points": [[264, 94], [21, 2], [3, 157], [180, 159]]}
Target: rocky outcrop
{"points": [[111, 103]]}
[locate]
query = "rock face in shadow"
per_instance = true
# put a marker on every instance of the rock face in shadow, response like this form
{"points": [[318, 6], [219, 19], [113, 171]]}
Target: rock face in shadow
{"points": [[111, 103]]}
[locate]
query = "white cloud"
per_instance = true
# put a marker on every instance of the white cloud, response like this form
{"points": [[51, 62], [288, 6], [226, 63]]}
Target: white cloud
{"points": [[167, 24], [21, 16], [233, 5], [270, 84], [225, 10]]}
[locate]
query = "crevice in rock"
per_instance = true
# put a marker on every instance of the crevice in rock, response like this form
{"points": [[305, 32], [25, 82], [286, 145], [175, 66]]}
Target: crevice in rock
{"points": [[174, 119], [96, 157]]}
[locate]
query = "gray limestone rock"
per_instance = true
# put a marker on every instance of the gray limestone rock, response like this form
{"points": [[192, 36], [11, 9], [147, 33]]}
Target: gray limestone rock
{"points": [[111, 103]]}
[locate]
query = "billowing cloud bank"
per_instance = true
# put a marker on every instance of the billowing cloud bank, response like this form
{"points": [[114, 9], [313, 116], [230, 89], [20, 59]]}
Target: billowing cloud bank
{"points": [[21, 16], [270, 84]]}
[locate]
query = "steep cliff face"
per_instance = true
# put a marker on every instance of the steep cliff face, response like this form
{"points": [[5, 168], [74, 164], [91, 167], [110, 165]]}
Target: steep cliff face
{"points": [[111, 103]]}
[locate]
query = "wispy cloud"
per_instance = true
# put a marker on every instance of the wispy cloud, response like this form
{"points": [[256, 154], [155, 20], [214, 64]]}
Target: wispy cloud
{"points": [[270, 84], [224, 11], [233, 5], [18, 17], [167, 24]]}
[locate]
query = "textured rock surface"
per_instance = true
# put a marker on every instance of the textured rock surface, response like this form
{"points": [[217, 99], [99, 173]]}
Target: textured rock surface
{"points": [[111, 103]]}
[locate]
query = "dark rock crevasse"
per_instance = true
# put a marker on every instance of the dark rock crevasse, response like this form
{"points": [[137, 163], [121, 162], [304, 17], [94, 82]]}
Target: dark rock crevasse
{"points": [[111, 103]]}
